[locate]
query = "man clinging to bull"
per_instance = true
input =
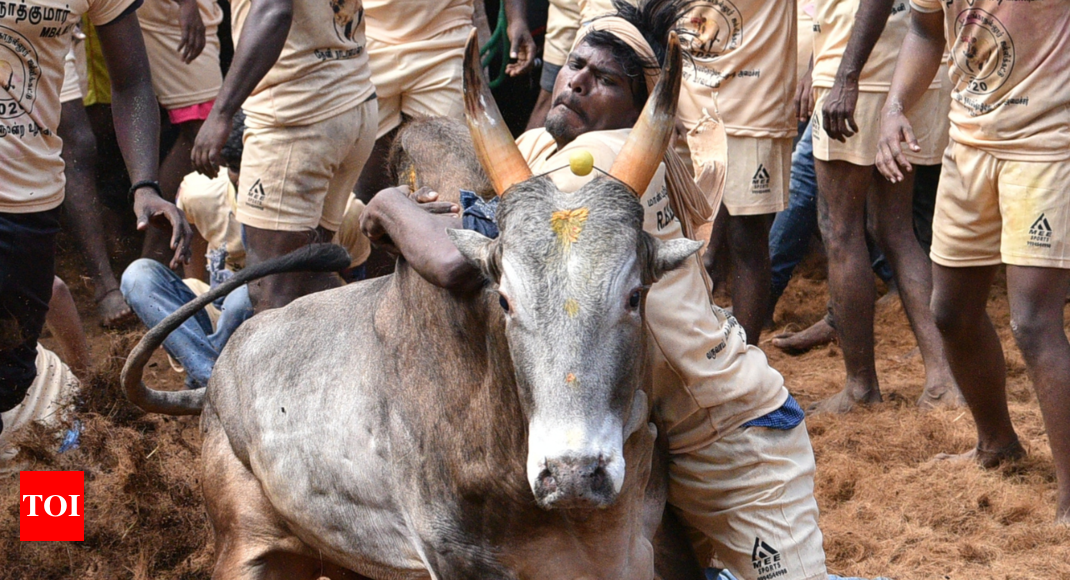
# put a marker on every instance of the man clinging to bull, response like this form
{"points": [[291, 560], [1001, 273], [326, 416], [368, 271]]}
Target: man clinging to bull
{"points": [[741, 463]]}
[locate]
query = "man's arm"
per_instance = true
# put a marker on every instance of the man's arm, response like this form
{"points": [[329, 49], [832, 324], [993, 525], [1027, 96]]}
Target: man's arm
{"points": [[918, 62], [838, 113], [262, 39], [521, 45], [137, 126], [418, 232], [193, 33]]}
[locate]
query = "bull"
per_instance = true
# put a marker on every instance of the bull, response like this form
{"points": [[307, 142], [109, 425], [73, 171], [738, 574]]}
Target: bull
{"points": [[392, 429]]}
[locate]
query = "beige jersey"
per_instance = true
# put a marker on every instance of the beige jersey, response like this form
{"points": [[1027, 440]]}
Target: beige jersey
{"points": [[741, 55], [401, 21], [209, 205], [322, 71], [833, 22], [805, 26], [1010, 67], [703, 360], [35, 38], [163, 16], [591, 9]]}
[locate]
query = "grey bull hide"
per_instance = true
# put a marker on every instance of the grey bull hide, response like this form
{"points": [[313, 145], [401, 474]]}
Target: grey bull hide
{"points": [[392, 429]]}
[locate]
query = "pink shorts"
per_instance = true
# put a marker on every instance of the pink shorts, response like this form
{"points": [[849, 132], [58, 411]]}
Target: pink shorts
{"points": [[191, 113]]}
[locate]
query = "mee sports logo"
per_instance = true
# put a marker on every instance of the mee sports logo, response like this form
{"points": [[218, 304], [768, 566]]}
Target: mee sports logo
{"points": [[51, 506]]}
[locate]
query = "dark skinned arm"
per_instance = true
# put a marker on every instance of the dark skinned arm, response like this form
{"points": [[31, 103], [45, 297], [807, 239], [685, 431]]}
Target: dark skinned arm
{"points": [[137, 127], [918, 62], [838, 112], [419, 235], [262, 39], [521, 45]]}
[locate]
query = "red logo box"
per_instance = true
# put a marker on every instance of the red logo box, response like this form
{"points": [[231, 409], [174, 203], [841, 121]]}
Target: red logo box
{"points": [[51, 506]]}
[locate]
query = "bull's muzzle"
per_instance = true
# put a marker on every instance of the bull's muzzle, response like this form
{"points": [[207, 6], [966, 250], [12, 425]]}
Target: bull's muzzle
{"points": [[575, 483]]}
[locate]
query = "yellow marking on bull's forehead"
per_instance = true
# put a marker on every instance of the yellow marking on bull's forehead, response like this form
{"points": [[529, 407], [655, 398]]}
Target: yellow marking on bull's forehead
{"points": [[411, 176], [572, 308], [567, 224]]}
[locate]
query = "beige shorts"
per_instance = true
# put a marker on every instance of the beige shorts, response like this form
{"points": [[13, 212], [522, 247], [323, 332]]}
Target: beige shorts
{"points": [[297, 178], [562, 24], [758, 174], [75, 76], [747, 501], [418, 78], [929, 118], [991, 210], [179, 85]]}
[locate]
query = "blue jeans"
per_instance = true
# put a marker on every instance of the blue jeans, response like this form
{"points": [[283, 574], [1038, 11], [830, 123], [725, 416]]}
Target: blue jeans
{"points": [[153, 292], [789, 238]]}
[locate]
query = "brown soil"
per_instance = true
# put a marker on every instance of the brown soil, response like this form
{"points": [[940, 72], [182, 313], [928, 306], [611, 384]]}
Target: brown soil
{"points": [[886, 509]]}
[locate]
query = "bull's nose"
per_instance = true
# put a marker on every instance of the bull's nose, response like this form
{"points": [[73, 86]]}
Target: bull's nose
{"points": [[574, 482]]}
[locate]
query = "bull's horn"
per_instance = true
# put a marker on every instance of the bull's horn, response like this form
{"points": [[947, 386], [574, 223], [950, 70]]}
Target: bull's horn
{"points": [[642, 152], [495, 147]]}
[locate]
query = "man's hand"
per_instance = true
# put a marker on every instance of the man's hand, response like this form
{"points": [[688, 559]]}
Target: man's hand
{"points": [[521, 48], [838, 112], [895, 129], [209, 143], [804, 96], [427, 199], [189, 17], [151, 208]]}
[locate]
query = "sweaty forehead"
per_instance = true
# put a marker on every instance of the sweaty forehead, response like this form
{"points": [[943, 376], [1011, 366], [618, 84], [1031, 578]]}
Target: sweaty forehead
{"points": [[599, 58]]}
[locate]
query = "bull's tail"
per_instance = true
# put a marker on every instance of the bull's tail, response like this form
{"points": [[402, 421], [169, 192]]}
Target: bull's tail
{"points": [[312, 258]]}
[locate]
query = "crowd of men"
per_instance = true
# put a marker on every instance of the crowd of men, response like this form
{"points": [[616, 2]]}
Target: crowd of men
{"points": [[927, 141]]}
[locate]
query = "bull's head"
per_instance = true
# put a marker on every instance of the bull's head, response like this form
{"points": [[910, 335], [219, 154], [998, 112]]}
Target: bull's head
{"points": [[572, 269]]}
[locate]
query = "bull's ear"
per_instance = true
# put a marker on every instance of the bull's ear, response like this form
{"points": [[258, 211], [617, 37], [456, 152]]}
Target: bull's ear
{"points": [[477, 249], [664, 256]]}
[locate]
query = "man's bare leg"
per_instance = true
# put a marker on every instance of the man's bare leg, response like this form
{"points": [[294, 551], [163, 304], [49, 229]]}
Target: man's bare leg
{"points": [[975, 355], [84, 212], [841, 206], [174, 168], [1037, 322], [748, 248], [817, 334], [281, 289], [891, 206]]}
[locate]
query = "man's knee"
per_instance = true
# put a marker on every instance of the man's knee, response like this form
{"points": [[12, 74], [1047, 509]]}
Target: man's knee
{"points": [[140, 277], [950, 319], [1035, 330]]}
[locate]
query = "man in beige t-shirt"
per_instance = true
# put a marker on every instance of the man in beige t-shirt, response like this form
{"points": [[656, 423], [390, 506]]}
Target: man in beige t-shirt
{"points": [[742, 67], [855, 44], [415, 49], [34, 43], [1003, 198], [183, 46], [301, 75]]}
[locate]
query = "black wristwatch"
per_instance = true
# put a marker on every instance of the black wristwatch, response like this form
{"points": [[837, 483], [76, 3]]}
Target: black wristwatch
{"points": [[154, 185]]}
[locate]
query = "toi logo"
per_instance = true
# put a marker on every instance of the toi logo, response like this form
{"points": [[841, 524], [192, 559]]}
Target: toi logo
{"points": [[51, 506]]}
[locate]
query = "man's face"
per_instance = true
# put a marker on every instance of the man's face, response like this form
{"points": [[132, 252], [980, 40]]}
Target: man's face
{"points": [[591, 93]]}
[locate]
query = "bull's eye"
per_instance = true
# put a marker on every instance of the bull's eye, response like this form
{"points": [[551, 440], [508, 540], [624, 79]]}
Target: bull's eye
{"points": [[503, 302], [633, 300]]}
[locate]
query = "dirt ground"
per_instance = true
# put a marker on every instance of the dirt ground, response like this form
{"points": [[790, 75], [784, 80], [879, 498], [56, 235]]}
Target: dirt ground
{"points": [[886, 509]]}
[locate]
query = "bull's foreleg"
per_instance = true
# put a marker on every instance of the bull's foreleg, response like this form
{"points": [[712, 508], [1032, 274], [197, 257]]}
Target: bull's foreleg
{"points": [[252, 542]]}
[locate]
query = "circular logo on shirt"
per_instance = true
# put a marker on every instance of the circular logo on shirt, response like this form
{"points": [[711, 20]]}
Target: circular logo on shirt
{"points": [[711, 29], [20, 73], [347, 17], [983, 51]]}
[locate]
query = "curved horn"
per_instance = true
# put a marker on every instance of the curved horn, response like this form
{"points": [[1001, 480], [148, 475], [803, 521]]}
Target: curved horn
{"points": [[639, 158], [494, 144]]}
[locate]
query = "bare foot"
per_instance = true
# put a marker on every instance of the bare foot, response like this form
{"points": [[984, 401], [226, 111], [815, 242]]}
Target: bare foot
{"points": [[941, 396], [844, 401], [114, 312], [820, 333], [986, 458]]}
